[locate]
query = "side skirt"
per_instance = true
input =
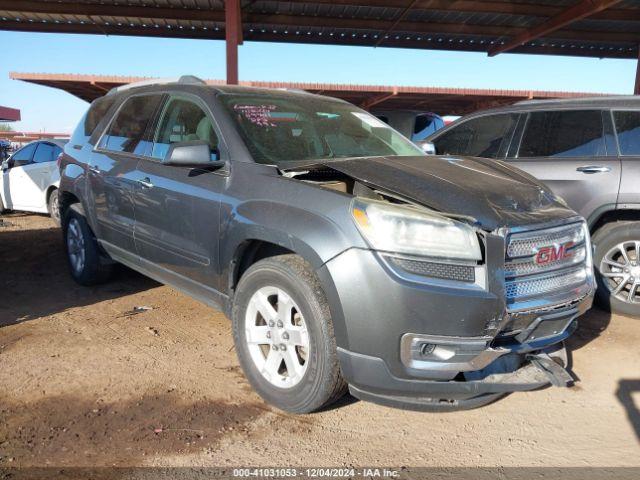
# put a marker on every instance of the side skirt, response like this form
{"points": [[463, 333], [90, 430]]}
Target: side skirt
{"points": [[207, 295]]}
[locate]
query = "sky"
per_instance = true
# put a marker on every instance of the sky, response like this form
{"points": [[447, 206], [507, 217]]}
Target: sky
{"points": [[51, 110]]}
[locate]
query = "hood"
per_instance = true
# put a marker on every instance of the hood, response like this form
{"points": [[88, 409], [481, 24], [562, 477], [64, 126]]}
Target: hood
{"points": [[492, 192]]}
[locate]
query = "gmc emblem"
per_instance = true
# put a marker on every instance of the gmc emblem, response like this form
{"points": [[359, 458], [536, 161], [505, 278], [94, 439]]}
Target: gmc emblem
{"points": [[553, 253]]}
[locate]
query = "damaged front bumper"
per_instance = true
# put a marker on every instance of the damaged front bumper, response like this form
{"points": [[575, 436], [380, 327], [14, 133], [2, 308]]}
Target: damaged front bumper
{"points": [[512, 372], [430, 345]]}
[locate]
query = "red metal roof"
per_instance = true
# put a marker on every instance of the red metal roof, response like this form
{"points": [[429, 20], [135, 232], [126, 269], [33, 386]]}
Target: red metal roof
{"points": [[9, 114], [445, 101]]}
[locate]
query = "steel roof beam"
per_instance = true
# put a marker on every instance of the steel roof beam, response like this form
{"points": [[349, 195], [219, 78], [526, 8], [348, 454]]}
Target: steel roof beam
{"points": [[572, 14]]}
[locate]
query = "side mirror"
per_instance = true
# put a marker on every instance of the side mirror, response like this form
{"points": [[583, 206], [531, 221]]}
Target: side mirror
{"points": [[192, 154], [5, 166], [427, 147]]}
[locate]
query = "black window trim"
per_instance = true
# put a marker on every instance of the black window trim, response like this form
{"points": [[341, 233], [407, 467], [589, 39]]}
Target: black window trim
{"points": [[615, 127]]}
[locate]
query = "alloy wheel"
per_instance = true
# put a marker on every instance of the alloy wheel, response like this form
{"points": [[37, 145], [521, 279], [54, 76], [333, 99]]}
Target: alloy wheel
{"points": [[75, 246], [277, 337], [620, 269]]}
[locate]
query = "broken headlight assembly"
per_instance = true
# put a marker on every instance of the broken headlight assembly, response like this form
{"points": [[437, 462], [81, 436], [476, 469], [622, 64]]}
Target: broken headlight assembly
{"points": [[412, 231]]}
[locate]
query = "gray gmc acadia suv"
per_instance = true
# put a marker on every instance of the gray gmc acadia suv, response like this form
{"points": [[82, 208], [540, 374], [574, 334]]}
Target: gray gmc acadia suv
{"points": [[344, 256], [587, 151]]}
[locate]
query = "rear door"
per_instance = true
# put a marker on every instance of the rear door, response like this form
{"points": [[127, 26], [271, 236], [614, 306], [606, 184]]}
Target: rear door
{"points": [[573, 152], [113, 175], [178, 207], [627, 124], [42, 173]]}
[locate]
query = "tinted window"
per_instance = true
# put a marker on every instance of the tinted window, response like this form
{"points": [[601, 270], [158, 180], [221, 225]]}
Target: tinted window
{"points": [[296, 128], [25, 154], [563, 134], [95, 113], [46, 152], [479, 137], [128, 131], [628, 129], [425, 125], [183, 121]]}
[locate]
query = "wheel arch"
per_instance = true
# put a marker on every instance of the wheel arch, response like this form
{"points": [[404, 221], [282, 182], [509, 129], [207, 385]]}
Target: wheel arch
{"points": [[613, 213]]}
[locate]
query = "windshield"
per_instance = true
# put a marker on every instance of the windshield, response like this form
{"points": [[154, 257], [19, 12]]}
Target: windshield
{"points": [[279, 129]]}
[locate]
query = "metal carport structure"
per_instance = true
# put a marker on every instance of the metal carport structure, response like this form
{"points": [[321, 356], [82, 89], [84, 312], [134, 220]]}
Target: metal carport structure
{"points": [[446, 101], [590, 28]]}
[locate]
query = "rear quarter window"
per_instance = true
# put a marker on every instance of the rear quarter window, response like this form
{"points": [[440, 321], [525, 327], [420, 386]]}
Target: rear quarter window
{"points": [[628, 131], [90, 120]]}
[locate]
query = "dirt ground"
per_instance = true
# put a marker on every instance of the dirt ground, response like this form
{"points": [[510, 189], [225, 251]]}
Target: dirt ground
{"points": [[83, 383]]}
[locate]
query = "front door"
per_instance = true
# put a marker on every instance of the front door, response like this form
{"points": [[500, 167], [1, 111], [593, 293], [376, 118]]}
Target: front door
{"points": [[573, 152], [177, 207], [113, 171], [17, 183]]}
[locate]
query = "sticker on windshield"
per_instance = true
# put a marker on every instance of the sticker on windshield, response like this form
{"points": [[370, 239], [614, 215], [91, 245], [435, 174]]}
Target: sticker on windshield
{"points": [[257, 114], [370, 120]]}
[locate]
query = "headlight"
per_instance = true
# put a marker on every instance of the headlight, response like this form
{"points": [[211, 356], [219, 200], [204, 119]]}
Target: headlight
{"points": [[402, 229]]}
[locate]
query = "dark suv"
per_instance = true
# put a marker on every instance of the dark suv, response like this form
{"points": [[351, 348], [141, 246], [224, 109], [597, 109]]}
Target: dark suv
{"points": [[588, 152], [342, 254]]}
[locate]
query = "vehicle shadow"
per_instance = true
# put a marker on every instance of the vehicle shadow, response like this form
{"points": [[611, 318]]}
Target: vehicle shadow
{"points": [[626, 389], [590, 326], [34, 276]]}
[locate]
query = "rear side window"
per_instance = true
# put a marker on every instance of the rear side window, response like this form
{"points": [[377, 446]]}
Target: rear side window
{"points": [[479, 137], [628, 130], [46, 152], [425, 125], [128, 131], [577, 133]]}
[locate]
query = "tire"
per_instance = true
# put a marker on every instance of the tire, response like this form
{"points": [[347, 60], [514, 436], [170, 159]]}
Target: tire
{"points": [[608, 241], [288, 283], [2, 209], [80, 242], [53, 207]]}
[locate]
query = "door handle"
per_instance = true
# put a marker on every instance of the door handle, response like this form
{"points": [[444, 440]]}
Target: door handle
{"points": [[593, 169], [145, 182], [95, 170]]}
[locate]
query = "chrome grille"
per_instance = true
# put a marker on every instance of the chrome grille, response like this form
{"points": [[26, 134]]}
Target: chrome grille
{"points": [[544, 264]]}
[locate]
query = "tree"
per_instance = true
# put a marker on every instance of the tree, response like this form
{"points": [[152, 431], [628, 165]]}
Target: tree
{"points": [[5, 127]]}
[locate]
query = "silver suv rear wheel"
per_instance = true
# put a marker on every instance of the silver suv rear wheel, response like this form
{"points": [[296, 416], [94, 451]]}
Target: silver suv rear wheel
{"points": [[620, 268]]}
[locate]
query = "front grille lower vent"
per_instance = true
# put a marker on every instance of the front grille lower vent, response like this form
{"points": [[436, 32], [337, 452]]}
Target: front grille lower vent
{"points": [[446, 271]]}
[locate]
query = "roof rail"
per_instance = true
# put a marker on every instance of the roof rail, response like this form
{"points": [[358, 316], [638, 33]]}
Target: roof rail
{"points": [[184, 80]]}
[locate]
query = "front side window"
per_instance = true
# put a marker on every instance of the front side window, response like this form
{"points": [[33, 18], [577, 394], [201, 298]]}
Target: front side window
{"points": [[183, 121], [288, 128], [46, 152], [577, 133], [478, 137], [628, 130], [25, 154], [128, 131]]}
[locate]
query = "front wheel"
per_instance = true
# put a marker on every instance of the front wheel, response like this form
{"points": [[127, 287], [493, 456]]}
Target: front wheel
{"points": [[83, 252], [617, 261], [53, 207], [283, 334]]}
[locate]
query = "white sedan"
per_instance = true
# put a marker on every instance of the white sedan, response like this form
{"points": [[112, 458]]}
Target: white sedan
{"points": [[30, 179]]}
